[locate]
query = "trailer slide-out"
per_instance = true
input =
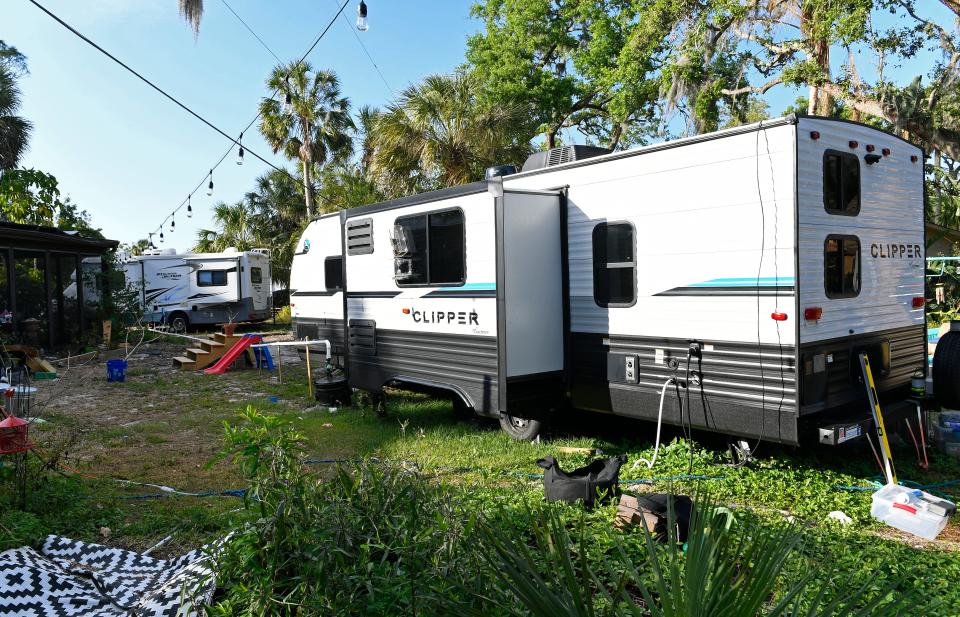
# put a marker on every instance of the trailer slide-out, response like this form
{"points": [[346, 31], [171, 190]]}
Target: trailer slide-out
{"points": [[749, 267]]}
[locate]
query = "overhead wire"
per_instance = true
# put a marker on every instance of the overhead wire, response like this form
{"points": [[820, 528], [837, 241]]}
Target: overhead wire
{"points": [[366, 52], [313, 46], [233, 142], [250, 30]]}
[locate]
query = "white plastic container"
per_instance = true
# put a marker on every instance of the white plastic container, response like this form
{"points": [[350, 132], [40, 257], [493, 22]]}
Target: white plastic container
{"points": [[909, 510]]}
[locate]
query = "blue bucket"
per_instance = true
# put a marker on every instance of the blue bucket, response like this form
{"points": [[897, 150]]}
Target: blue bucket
{"points": [[116, 370]]}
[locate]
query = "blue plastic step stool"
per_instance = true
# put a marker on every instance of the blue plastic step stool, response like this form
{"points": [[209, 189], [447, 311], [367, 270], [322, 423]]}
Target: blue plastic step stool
{"points": [[263, 357]]}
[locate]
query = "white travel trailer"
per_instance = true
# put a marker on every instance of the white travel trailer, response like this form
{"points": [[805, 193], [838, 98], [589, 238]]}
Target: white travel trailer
{"points": [[184, 289], [736, 275]]}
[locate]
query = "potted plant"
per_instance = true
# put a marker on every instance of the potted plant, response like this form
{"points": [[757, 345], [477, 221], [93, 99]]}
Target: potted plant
{"points": [[229, 328]]}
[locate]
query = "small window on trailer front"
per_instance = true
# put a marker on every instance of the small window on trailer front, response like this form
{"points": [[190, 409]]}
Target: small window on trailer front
{"points": [[841, 183], [256, 275], [333, 273], [841, 266], [614, 265], [211, 278], [429, 249]]}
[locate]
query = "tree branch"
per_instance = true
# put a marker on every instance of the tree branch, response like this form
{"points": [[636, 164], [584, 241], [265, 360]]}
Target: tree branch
{"points": [[754, 89]]}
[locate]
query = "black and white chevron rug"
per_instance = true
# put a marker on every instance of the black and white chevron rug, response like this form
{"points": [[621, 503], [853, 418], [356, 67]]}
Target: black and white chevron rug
{"points": [[68, 578]]}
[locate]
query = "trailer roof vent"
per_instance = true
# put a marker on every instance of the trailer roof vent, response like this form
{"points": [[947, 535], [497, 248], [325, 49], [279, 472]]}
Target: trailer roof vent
{"points": [[561, 155]]}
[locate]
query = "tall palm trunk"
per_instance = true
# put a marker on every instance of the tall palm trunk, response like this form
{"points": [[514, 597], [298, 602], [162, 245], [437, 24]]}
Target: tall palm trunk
{"points": [[308, 189]]}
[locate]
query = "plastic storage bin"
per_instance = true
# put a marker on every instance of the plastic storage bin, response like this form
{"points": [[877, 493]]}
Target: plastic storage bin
{"points": [[116, 370], [911, 510]]}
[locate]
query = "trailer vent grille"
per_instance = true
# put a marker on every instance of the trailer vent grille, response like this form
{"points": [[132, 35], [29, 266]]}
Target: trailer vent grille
{"points": [[561, 155], [360, 237], [363, 337]]}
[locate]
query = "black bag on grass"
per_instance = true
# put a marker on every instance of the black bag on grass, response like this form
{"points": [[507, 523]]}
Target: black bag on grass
{"points": [[595, 482], [659, 504]]}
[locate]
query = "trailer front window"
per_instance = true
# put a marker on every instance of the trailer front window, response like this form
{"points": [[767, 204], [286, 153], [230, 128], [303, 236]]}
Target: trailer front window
{"points": [[841, 183], [333, 273], [841, 266], [614, 265], [256, 275], [429, 249]]}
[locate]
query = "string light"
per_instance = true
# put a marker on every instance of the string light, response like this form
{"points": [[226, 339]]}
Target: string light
{"points": [[240, 153], [362, 24], [161, 237], [189, 208], [173, 224], [287, 100], [210, 186]]}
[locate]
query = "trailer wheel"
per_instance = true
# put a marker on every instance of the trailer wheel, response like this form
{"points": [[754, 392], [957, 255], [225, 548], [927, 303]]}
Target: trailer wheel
{"points": [[179, 322], [524, 429], [946, 371]]}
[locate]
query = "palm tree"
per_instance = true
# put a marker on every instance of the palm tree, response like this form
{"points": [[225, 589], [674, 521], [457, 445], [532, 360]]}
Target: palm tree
{"points": [[14, 130], [438, 133], [277, 202], [314, 127], [192, 12], [236, 227]]}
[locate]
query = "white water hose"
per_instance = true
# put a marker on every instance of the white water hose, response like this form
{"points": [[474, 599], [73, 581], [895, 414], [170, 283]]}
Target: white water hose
{"points": [[656, 442]]}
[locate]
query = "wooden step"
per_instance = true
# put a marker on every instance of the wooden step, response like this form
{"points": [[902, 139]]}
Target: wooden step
{"points": [[186, 364], [223, 339], [196, 353], [210, 346]]}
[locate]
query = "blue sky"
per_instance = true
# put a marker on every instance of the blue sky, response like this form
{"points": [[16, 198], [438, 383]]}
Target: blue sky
{"points": [[129, 156]]}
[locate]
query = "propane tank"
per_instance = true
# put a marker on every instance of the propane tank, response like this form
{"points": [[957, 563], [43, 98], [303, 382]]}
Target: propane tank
{"points": [[918, 384]]}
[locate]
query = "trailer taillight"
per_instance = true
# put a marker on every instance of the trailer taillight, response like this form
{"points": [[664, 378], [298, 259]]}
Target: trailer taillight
{"points": [[885, 152], [814, 134], [778, 316], [914, 158], [812, 313], [853, 144], [871, 147], [919, 302]]}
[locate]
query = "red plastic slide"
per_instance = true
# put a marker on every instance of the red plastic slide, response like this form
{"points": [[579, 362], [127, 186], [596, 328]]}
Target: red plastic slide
{"points": [[228, 358]]}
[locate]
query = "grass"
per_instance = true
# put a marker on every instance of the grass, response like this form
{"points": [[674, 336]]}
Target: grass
{"points": [[163, 426]]}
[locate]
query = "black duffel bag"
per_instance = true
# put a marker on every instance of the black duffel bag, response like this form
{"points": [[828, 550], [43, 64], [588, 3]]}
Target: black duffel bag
{"points": [[598, 481]]}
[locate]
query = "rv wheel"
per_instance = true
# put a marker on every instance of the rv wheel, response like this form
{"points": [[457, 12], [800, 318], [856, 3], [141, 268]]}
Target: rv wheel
{"points": [[946, 370], [179, 322], [523, 429]]}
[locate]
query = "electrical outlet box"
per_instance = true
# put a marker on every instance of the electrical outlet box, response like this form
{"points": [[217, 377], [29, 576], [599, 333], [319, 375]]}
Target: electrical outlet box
{"points": [[630, 369]]}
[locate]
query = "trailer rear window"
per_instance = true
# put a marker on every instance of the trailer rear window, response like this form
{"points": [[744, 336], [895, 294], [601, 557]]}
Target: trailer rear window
{"points": [[429, 249], [841, 183], [211, 278], [256, 275], [841, 266], [333, 273], [614, 265]]}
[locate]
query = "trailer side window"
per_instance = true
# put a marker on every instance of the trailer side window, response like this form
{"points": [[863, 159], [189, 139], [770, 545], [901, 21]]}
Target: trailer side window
{"points": [[841, 266], [256, 275], [333, 273], [211, 278], [429, 249], [841, 183], [614, 265]]}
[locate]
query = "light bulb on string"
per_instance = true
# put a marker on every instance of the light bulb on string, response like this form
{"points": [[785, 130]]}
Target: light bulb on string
{"points": [[210, 186], [287, 99], [189, 208], [240, 153], [173, 224], [362, 24], [161, 237]]}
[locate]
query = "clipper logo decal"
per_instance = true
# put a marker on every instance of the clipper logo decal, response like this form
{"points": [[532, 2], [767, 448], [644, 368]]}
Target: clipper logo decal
{"points": [[449, 317], [893, 251]]}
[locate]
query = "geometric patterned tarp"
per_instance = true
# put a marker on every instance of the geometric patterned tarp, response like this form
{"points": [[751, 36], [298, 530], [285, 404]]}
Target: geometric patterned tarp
{"points": [[69, 578]]}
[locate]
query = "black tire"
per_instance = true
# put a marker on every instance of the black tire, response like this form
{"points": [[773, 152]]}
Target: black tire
{"points": [[178, 322], [946, 371], [523, 429]]}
